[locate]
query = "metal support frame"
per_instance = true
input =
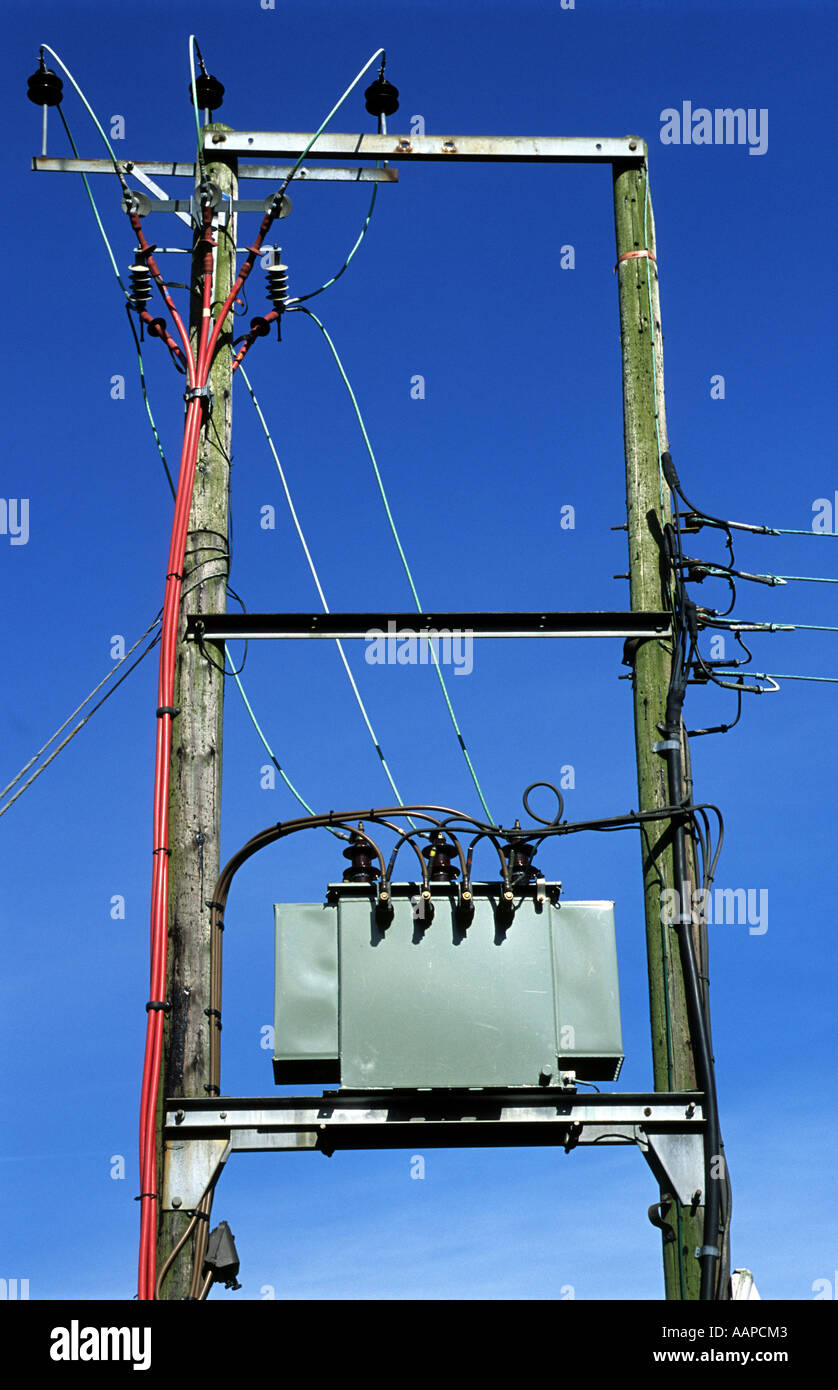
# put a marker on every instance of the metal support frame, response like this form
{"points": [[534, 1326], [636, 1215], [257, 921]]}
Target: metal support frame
{"points": [[391, 627], [667, 1127], [199, 1137]]}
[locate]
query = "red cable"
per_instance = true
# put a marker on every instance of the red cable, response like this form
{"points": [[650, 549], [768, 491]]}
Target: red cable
{"points": [[197, 375]]}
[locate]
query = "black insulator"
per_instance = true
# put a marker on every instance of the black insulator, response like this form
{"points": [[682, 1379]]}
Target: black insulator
{"points": [[209, 92], [360, 855], [519, 855], [438, 855], [140, 285], [278, 285], [382, 98], [45, 87]]}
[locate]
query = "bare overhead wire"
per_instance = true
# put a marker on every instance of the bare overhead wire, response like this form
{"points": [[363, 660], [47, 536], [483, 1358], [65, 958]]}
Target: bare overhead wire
{"points": [[303, 310]]}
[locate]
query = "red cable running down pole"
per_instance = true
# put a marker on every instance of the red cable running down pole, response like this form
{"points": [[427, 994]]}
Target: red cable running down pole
{"points": [[198, 369]]}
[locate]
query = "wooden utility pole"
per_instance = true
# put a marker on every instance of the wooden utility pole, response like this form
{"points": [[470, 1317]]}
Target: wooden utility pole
{"points": [[647, 508], [195, 800]]}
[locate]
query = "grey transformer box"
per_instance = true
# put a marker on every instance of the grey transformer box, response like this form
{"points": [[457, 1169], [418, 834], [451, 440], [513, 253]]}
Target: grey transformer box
{"points": [[513, 998]]}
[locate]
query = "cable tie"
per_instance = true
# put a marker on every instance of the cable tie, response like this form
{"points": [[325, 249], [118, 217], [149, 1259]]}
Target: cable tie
{"points": [[212, 1090], [212, 1013], [152, 1197], [158, 1004], [633, 256], [199, 1215], [168, 709], [173, 574], [162, 851], [210, 902]]}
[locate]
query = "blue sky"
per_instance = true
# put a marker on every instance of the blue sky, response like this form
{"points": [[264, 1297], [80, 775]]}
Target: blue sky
{"points": [[459, 281]]}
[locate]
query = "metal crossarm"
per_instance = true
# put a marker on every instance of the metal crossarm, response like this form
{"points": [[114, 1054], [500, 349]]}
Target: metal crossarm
{"points": [[216, 627]]}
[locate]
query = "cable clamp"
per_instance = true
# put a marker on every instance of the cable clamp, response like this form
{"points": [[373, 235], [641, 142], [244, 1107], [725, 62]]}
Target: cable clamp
{"points": [[201, 393], [158, 1004], [633, 256], [666, 746], [212, 1090], [167, 709], [152, 1197], [701, 1250], [212, 1013], [162, 851]]}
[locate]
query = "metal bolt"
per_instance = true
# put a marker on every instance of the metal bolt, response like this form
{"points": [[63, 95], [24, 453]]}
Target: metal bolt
{"points": [[632, 144], [647, 1110], [223, 1115], [177, 1202], [179, 1116]]}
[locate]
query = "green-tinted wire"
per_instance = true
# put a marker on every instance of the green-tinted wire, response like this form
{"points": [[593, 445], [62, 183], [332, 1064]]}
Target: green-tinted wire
{"points": [[298, 528], [90, 111], [806, 578], [774, 676], [784, 578], [195, 107], [792, 531], [300, 299], [147, 404], [400, 548], [93, 206], [289, 784], [338, 104]]}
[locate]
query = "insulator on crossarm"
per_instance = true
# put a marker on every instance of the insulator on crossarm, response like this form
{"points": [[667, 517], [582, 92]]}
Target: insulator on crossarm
{"points": [[45, 87], [209, 92], [140, 285], [382, 98]]}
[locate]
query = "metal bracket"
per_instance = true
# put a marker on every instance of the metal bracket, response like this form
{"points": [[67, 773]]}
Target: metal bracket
{"points": [[199, 1137]]}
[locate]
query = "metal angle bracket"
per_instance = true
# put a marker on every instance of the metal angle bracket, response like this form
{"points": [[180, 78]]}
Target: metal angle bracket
{"points": [[193, 1164], [677, 1161]]}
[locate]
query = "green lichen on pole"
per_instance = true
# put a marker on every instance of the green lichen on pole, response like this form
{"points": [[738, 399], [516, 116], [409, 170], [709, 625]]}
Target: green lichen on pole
{"points": [[644, 422]]}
